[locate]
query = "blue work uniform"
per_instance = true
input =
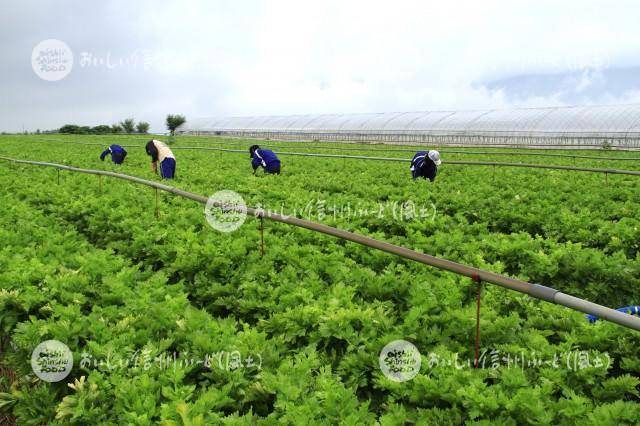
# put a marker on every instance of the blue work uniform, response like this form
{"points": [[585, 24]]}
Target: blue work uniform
{"points": [[423, 166], [267, 159], [117, 152]]}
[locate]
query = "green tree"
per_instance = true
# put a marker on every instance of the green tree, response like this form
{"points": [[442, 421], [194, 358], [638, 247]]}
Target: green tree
{"points": [[101, 130], [70, 128], [142, 127], [128, 125], [115, 128], [175, 121]]}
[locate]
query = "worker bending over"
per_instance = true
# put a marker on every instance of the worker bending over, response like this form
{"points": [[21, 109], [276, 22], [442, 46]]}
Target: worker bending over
{"points": [[425, 165], [265, 158], [160, 153], [117, 153]]}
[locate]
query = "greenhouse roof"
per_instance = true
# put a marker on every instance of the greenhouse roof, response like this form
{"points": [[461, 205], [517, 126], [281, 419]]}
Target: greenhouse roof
{"points": [[598, 120]]}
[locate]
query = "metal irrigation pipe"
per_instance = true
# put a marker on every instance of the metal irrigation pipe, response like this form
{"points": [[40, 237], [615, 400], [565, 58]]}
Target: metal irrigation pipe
{"points": [[468, 163], [545, 166], [301, 146], [364, 157], [534, 290], [542, 154]]}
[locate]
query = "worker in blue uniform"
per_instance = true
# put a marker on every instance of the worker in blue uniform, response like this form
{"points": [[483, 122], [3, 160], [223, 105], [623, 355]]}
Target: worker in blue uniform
{"points": [[425, 164], [264, 158], [117, 153]]}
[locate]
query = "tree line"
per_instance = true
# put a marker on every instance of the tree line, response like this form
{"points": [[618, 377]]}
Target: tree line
{"points": [[128, 126]]}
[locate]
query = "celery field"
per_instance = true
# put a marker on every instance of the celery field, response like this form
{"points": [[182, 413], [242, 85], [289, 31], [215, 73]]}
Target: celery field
{"points": [[171, 322]]}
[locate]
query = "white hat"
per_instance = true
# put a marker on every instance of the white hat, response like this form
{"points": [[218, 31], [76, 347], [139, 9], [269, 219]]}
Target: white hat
{"points": [[435, 157]]}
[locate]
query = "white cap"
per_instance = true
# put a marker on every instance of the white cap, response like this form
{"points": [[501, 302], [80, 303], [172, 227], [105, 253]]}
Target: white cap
{"points": [[435, 157]]}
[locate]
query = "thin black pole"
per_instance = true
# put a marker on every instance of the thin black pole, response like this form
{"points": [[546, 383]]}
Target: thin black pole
{"points": [[157, 204], [261, 236], [478, 281]]}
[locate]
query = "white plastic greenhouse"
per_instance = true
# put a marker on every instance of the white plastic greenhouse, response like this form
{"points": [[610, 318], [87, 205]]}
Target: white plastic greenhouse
{"points": [[586, 126]]}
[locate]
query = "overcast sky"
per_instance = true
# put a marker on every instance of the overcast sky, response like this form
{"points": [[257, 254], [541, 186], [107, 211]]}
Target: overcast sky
{"points": [[144, 59]]}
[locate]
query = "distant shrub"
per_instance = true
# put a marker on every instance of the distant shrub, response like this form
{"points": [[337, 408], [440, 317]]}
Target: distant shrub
{"points": [[70, 129], [102, 129], [142, 127]]}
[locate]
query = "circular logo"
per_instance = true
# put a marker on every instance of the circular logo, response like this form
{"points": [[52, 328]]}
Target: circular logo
{"points": [[52, 360], [52, 60], [400, 361], [225, 211]]}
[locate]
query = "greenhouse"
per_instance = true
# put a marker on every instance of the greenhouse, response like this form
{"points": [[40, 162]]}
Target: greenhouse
{"points": [[616, 126]]}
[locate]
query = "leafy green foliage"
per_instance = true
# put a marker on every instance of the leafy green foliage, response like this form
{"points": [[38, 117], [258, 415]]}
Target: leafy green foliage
{"points": [[100, 273]]}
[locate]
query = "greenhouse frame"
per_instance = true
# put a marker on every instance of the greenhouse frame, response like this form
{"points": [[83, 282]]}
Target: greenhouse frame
{"points": [[615, 126]]}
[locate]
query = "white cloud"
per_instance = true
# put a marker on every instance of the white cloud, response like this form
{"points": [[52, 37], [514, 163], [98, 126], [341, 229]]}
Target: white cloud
{"points": [[246, 58]]}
